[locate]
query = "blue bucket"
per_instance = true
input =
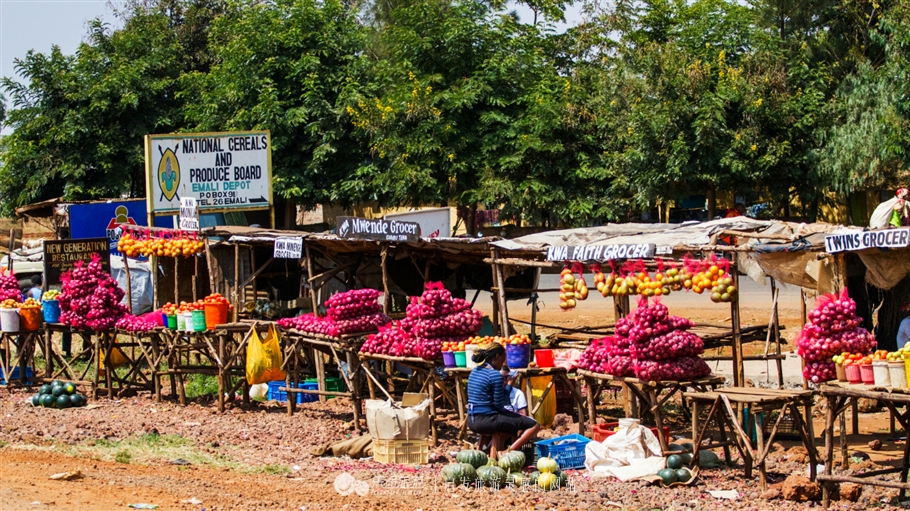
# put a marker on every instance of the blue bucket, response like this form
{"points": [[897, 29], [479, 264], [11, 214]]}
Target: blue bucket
{"points": [[518, 355], [51, 309]]}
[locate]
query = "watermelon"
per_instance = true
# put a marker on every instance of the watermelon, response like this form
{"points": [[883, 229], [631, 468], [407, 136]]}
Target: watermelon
{"points": [[63, 401], [77, 400], [675, 461], [36, 400], [45, 389], [667, 476], [57, 391], [69, 388], [683, 475]]}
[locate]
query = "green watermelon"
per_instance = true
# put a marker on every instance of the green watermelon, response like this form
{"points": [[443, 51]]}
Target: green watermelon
{"points": [[667, 476], [69, 388], [77, 400], [57, 391], [683, 475], [45, 389], [63, 401], [36, 400], [675, 461]]}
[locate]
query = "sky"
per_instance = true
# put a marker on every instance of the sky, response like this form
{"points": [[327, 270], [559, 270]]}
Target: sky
{"points": [[40, 24]]}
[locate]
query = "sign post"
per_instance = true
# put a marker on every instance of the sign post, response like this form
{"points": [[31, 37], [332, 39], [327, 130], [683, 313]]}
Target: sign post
{"points": [[862, 240], [378, 230], [61, 255], [189, 214], [288, 248], [223, 172], [600, 252]]}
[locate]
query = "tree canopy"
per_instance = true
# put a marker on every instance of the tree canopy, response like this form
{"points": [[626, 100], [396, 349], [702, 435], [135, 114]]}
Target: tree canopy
{"points": [[440, 102]]}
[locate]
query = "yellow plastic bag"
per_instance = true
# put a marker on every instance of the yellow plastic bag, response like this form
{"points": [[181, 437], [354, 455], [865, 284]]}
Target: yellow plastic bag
{"points": [[263, 358], [547, 411], [117, 357]]}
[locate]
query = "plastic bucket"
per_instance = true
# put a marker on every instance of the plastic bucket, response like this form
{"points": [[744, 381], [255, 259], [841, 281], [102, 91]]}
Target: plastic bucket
{"points": [[853, 375], [880, 373], [215, 314], [448, 358], [171, 321], [9, 320], [181, 322], [544, 358], [518, 355], [898, 374], [188, 321], [867, 374], [30, 319], [51, 309], [460, 358], [469, 350], [164, 320], [198, 321], [841, 373]]}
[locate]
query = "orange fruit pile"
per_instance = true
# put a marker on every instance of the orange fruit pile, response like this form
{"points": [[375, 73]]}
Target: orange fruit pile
{"points": [[160, 247]]}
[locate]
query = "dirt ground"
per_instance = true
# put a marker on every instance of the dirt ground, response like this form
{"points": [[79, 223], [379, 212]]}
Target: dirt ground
{"points": [[139, 451]]}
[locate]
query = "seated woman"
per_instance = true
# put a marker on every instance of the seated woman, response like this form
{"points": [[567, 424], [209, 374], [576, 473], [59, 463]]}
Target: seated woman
{"points": [[488, 397]]}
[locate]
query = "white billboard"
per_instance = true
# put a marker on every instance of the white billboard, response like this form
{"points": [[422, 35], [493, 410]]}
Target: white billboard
{"points": [[222, 171]]}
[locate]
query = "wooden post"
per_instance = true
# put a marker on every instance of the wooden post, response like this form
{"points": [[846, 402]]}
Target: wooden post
{"points": [[222, 370], [501, 294], [208, 262], [236, 297], [387, 299], [12, 245], [176, 282], [738, 376], [309, 272], [129, 285], [775, 333], [253, 269], [195, 277]]}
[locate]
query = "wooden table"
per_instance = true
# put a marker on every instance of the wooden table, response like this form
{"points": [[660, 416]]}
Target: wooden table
{"points": [[460, 375], [644, 395], [426, 376], [24, 343], [758, 401], [839, 396], [220, 347], [303, 347]]}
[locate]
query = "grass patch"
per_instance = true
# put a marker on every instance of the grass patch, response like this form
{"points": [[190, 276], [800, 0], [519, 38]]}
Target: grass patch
{"points": [[198, 385], [3, 443], [271, 469], [151, 449]]}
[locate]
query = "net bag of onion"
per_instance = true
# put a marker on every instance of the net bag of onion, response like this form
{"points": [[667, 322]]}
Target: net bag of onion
{"points": [[833, 328], [660, 345]]}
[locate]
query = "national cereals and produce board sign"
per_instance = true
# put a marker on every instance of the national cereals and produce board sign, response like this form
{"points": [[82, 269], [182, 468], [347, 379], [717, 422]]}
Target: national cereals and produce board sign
{"points": [[222, 171]]}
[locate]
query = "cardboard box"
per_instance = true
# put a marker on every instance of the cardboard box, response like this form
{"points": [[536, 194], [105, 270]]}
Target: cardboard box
{"points": [[407, 420]]}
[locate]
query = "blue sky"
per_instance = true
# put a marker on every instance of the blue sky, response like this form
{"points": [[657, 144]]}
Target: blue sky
{"points": [[40, 24]]}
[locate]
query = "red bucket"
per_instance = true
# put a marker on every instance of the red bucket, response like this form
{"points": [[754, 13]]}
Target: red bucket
{"points": [[215, 314], [544, 358]]}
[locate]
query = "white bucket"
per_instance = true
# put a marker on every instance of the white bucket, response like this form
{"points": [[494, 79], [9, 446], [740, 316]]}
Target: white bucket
{"points": [[881, 373], [188, 321], [898, 374], [469, 351], [9, 320]]}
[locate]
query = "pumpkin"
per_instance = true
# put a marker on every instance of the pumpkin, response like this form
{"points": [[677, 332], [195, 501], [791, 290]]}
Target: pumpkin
{"points": [[517, 479], [458, 473], [675, 461], [512, 461], [491, 475], [476, 459], [548, 481], [667, 476], [532, 479], [683, 475], [547, 465]]}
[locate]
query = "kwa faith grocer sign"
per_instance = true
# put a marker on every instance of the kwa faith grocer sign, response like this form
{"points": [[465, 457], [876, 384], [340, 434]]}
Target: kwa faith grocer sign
{"points": [[600, 252], [862, 240], [221, 171]]}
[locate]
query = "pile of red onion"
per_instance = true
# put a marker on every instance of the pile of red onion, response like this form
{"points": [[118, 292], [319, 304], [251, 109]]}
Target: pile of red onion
{"points": [[90, 297], [130, 323], [348, 313], [609, 355], [9, 286], [391, 340], [437, 317], [661, 348], [833, 329]]}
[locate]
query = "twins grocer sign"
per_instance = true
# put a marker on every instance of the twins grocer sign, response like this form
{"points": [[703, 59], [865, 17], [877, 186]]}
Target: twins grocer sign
{"points": [[222, 171], [862, 240]]}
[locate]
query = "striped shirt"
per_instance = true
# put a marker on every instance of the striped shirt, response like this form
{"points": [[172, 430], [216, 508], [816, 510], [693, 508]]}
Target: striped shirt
{"points": [[486, 391]]}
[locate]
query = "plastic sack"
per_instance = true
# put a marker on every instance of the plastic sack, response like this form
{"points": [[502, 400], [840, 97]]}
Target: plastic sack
{"points": [[882, 214], [118, 358], [631, 453], [547, 410], [263, 358]]}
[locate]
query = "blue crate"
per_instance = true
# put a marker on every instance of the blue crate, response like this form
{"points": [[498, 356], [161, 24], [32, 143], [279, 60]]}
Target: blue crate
{"points": [[277, 395], [14, 375], [568, 451]]}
